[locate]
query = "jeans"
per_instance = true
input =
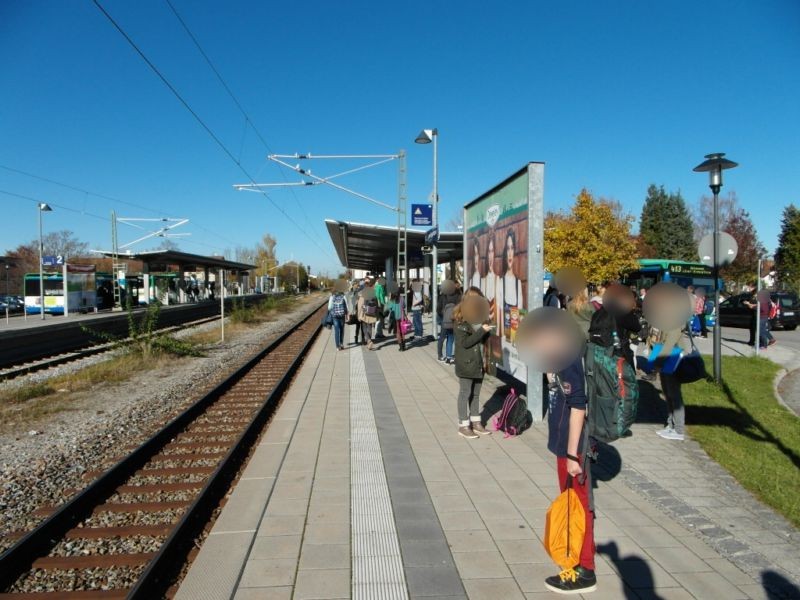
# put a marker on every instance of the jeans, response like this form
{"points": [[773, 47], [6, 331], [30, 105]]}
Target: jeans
{"points": [[366, 331], [582, 490], [440, 340], [703, 328], [469, 391], [338, 331], [358, 330], [450, 338], [671, 387], [379, 328], [416, 318], [764, 334]]}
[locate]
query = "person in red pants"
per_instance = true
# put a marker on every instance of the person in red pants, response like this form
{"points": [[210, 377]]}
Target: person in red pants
{"points": [[566, 439]]}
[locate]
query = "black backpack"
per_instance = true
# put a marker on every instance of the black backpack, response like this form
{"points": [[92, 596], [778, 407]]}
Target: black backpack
{"points": [[514, 418], [371, 307]]}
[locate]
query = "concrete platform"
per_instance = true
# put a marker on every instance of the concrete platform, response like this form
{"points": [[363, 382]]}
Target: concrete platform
{"points": [[361, 488]]}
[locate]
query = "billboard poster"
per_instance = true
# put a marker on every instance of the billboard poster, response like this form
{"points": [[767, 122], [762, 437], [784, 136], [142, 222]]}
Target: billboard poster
{"points": [[497, 231]]}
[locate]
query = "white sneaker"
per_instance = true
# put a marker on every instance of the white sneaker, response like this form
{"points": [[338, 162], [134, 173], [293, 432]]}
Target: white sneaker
{"points": [[663, 431], [671, 435]]}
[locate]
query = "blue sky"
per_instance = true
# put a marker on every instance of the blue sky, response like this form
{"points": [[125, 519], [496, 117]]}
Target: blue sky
{"points": [[610, 95]]}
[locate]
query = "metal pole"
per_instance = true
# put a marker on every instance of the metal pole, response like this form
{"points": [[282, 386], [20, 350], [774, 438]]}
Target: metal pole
{"points": [[8, 297], [435, 255], [41, 270], [758, 309], [717, 327], [222, 303]]}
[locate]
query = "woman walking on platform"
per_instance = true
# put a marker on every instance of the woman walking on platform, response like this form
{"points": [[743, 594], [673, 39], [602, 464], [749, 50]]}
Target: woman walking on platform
{"points": [[396, 306], [366, 316], [471, 329]]}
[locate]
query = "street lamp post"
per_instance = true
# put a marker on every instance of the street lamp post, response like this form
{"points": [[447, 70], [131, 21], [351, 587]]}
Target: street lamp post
{"points": [[426, 136], [714, 164], [42, 208], [8, 297]]}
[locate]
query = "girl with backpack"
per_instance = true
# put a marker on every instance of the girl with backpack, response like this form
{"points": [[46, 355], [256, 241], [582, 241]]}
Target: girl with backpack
{"points": [[396, 309], [367, 314], [469, 338], [338, 310]]}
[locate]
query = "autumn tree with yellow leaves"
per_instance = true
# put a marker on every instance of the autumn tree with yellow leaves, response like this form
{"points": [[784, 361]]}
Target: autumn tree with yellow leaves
{"points": [[594, 236]]}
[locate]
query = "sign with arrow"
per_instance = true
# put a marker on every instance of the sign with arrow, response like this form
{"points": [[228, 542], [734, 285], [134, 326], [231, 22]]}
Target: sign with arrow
{"points": [[422, 215], [432, 236]]}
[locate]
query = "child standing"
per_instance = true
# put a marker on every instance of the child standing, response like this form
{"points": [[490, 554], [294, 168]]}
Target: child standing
{"points": [[469, 367], [567, 440]]}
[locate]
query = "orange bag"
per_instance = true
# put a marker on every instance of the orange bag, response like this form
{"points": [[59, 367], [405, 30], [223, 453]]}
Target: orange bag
{"points": [[564, 528]]}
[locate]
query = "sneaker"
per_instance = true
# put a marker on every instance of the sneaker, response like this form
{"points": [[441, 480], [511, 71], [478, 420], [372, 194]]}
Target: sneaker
{"points": [[572, 581], [663, 431], [478, 428], [671, 435], [466, 431], [442, 359]]}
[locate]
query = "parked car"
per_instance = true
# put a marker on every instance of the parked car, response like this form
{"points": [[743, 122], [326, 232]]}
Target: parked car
{"points": [[13, 303], [734, 313]]}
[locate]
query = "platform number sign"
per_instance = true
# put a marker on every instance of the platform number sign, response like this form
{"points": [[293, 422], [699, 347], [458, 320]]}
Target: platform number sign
{"points": [[53, 261]]}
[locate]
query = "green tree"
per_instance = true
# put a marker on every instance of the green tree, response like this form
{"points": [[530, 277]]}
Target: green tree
{"points": [[594, 236], [787, 257], [666, 225]]}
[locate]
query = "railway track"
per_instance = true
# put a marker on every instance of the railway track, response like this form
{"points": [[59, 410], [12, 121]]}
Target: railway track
{"points": [[67, 357], [132, 529]]}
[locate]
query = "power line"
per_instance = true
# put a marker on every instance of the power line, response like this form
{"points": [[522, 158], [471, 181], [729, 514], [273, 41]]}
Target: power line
{"points": [[106, 197], [248, 120], [59, 206]]}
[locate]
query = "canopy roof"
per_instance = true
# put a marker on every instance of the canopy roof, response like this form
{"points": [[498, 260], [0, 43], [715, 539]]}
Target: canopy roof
{"points": [[188, 262], [365, 246]]}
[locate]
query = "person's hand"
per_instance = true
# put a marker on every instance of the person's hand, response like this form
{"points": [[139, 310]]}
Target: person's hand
{"points": [[486, 327], [573, 468]]}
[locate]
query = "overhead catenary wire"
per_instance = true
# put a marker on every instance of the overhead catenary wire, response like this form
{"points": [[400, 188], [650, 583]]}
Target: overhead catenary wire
{"points": [[247, 119], [202, 123], [114, 199]]}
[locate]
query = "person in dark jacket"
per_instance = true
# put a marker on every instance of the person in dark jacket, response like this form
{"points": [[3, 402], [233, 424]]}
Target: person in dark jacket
{"points": [[469, 338], [448, 300]]}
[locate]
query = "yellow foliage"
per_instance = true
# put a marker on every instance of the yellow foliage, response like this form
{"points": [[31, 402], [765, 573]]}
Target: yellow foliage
{"points": [[594, 237]]}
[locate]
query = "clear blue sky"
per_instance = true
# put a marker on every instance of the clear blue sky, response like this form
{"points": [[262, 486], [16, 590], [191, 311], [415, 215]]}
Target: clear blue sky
{"points": [[611, 95]]}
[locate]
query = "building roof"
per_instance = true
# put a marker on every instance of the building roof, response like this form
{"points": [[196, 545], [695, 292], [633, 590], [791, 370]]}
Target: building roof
{"points": [[365, 246], [189, 262]]}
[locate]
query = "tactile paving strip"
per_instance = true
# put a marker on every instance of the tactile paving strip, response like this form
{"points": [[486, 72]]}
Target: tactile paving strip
{"points": [[377, 563]]}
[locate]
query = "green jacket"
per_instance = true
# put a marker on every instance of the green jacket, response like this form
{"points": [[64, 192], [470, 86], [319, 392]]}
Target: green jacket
{"points": [[380, 294], [468, 353]]}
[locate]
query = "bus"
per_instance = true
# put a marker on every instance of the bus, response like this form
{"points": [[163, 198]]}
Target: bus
{"points": [[655, 270], [81, 294]]}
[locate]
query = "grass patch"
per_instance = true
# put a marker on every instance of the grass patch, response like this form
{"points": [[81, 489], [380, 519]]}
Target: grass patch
{"points": [[741, 425], [30, 403]]}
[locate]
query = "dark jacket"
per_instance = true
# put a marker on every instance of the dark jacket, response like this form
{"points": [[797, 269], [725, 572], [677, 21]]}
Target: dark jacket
{"points": [[569, 394], [444, 300], [468, 355]]}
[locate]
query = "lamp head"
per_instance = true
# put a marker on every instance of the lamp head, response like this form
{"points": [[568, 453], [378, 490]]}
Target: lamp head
{"points": [[45, 207], [426, 136], [715, 163]]}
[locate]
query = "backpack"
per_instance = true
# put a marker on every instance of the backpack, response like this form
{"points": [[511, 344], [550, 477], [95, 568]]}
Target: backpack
{"points": [[371, 307], [612, 392], [602, 328], [514, 418], [550, 297], [447, 315], [773, 309], [339, 308]]}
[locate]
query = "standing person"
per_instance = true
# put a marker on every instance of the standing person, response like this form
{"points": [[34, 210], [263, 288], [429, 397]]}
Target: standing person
{"points": [[380, 296], [675, 428], [365, 306], [566, 439], [338, 309], [551, 296], [581, 310], [446, 305], [396, 309], [469, 367], [353, 318], [511, 288], [417, 302], [700, 310]]}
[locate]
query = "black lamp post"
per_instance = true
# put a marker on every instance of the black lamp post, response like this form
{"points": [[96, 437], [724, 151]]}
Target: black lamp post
{"points": [[715, 164]]}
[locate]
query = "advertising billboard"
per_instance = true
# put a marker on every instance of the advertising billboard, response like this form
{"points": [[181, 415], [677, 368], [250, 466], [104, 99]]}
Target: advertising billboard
{"points": [[503, 258]]}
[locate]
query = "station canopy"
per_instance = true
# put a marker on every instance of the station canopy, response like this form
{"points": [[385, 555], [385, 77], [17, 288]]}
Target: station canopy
{"points": [[159, 260], [365, 246]]}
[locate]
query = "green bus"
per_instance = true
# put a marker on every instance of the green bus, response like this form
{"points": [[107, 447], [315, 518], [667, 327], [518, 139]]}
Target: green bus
{"points": [[655, 270]]}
